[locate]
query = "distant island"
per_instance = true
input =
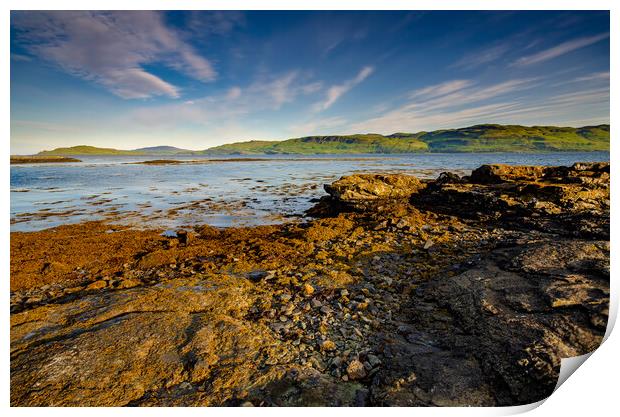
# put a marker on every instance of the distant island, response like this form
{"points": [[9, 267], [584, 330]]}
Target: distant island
{"points": [[478, 138]]}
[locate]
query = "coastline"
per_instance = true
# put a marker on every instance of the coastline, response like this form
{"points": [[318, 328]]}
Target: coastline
{"points": [[453, 291], [34, 159]]}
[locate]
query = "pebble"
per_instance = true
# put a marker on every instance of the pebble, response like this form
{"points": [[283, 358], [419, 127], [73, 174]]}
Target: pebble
{"points": [[257, 275], [308, 290], [355, 370], [373, 360], [97, 285], [129, 283], [428, 244], [328, 345]]}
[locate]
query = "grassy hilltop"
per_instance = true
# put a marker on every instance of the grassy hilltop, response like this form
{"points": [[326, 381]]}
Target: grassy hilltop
{"points": [[479, 138]]}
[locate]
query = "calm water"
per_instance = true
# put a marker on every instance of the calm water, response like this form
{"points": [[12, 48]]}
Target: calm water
{"points": [[218, 193]]}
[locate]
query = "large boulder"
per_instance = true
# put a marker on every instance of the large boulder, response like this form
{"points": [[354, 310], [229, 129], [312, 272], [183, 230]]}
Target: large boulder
{"points": [[498, 173], [360, 190]]}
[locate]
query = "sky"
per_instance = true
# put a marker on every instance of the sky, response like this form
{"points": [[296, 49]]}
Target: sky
{"points": [[199, 79]]}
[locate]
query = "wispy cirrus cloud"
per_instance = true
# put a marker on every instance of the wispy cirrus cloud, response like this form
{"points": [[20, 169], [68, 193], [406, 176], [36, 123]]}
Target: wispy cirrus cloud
{"points": [[336, 91], [112, 48], [561, 49], [603, 75], [263, 94], [446, 104], [482, 57], [438, 90]]}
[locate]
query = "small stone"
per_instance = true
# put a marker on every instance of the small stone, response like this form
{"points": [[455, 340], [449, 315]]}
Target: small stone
{"points": [[428, 244], [247, 404], [169, 234], [344, 293], [355, 370], [362, 306], [373, 360], [34, 299], [71, 290], [256, 276], [97, 285], [315, 303], [328, 345], [402, 223], [129, 283], [283, 319], [308, 290], [184, 237]]}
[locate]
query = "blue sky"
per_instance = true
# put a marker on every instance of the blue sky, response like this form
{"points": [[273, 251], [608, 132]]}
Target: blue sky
{"points": [[200, 79]]}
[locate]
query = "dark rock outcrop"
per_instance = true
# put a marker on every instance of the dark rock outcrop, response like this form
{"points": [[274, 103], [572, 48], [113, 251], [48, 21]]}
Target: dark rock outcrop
{"points": [[568, 200]]}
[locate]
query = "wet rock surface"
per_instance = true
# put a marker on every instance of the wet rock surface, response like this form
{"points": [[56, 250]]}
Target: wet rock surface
{"points": [[453, 292]]}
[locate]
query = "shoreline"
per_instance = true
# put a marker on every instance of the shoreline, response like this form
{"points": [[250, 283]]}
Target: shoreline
{"points": [[454, 291], [34, 159]]}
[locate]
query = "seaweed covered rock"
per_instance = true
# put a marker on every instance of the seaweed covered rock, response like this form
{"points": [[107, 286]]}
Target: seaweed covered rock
{"points": [[361, 190]]}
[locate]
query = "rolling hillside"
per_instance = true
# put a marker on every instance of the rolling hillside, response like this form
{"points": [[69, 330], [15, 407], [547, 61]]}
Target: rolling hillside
{"points": [[478, 138]]}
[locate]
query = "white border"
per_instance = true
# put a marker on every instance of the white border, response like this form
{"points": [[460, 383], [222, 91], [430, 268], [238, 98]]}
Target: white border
{"points": [[592, 391]]}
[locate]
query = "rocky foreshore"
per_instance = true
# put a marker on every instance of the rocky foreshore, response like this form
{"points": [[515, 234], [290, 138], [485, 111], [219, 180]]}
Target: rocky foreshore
{"points": [[460, 291]]}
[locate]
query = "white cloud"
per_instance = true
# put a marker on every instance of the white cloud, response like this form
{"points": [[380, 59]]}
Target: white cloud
{"points": [[441, 89], [560, 49], [444, 105], [132, 83], [278, 90], [233, 93], [594, 76], [263, 94], [336, 91], [312, 87], [20, 57], [479, 58], [112, 48]]}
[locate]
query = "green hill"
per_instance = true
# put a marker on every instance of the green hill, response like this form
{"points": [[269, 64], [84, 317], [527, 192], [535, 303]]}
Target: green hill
{"points": [[92, 150], [478, 138], [501, 138], [87, 150], [371, 143]]}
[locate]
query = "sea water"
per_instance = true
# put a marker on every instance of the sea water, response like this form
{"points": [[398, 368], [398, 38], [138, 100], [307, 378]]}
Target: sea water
{"points": [[220, 191]]}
